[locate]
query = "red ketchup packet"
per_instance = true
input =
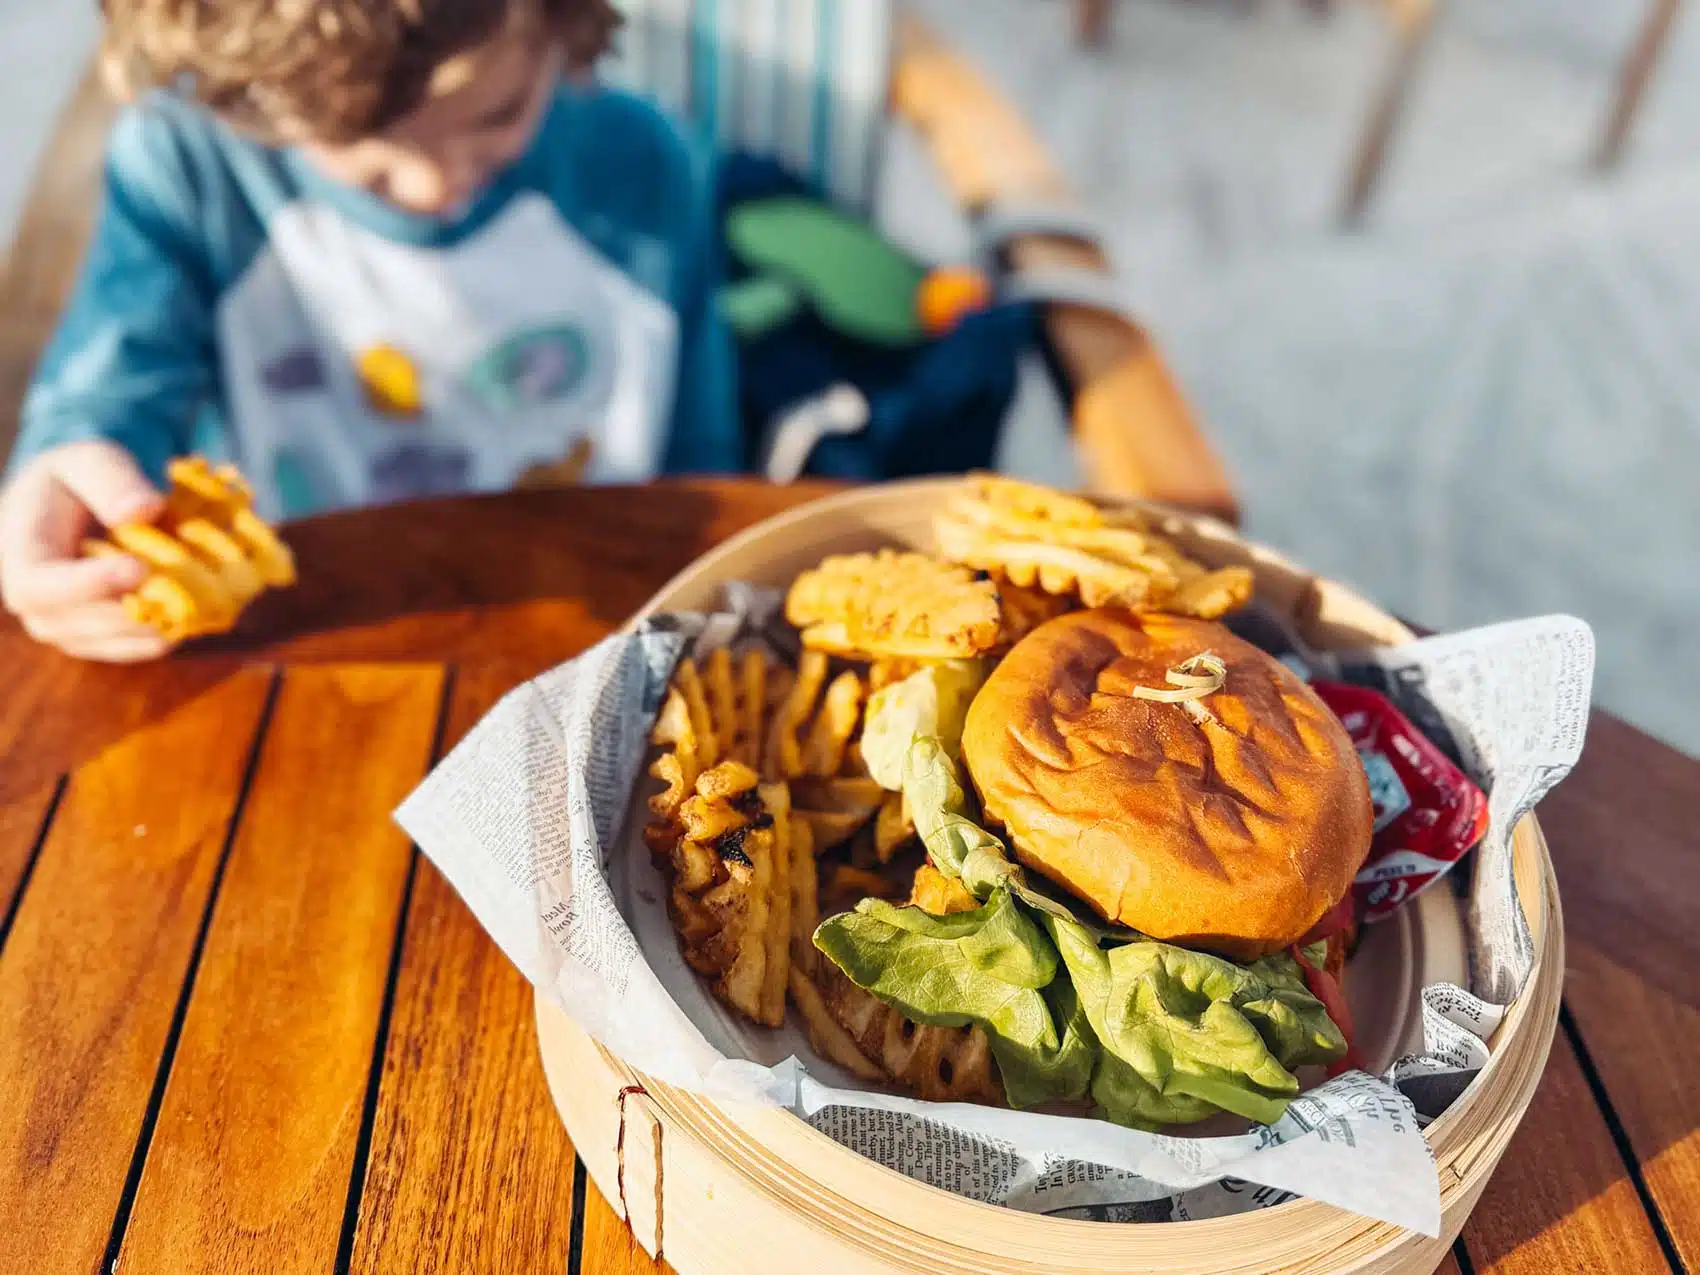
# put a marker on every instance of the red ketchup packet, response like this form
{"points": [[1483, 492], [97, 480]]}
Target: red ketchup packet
{"points": [[1428, 813]]}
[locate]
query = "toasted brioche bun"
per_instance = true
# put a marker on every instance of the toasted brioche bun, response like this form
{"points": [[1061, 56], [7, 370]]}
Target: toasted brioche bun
{"points": [[1233, 835]]}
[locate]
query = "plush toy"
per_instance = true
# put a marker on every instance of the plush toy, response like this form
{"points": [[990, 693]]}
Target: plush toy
{"points": [[799, 252]]}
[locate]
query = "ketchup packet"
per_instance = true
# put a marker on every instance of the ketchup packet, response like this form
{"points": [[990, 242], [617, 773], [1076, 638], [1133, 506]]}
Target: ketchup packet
{"points": [[1427, 812]]}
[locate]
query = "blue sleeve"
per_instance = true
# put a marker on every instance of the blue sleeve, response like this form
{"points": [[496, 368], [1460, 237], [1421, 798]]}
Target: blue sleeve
{"points": [[133, 359]]}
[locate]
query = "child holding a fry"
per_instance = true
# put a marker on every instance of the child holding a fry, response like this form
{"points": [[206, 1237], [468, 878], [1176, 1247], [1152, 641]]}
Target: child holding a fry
{"points": [[366, 250]]}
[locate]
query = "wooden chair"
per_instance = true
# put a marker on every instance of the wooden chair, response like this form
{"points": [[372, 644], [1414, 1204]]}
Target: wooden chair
{"points": [[1633, 79], [1135, 432], [1411, 22]]}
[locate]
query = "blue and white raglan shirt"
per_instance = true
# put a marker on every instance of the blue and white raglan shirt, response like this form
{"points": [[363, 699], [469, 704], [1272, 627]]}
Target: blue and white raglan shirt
{"points": [[238, 303]]}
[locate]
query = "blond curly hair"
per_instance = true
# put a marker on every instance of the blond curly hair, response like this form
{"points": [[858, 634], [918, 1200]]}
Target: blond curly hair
{"points": [[334, 70]]}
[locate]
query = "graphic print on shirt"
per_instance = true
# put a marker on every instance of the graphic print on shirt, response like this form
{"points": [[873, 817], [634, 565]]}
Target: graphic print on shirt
{"points": [[530, 368], [410, 370]]}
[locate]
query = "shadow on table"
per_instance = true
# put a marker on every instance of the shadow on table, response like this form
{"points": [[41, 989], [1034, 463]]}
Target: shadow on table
{"points": [[524, 580]]}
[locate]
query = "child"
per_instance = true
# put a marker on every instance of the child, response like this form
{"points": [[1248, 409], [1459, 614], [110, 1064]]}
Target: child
{"points": [[366, 249]]}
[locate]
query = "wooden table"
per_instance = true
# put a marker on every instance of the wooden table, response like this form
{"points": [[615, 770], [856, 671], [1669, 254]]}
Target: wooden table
{"points": [[244, 1027]]}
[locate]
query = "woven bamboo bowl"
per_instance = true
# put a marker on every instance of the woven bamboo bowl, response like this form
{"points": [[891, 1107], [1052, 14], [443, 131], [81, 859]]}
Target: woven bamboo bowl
{"points": [[737, 1189]]}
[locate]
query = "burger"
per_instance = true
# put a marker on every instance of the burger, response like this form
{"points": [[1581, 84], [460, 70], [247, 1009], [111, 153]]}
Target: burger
{"points": [[1231, 820], [1158, 825]]}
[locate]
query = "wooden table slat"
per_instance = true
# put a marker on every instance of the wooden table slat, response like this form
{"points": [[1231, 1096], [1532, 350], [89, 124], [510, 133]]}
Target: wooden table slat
{"points": [[250, 1161], [23, 826], [1562, 1199], [1626, 848], [1655, 1092], [609, 1246], [92, 973], [464, 1118]]}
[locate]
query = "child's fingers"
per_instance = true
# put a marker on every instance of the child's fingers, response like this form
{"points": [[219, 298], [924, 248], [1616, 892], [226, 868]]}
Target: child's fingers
{"points": [[119, 650], [103, 631], [37, 587], [106, 481], [97, 621]]}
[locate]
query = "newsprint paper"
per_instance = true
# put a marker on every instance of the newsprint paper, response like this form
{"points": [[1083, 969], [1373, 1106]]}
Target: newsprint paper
{"points": [[534, 819]]}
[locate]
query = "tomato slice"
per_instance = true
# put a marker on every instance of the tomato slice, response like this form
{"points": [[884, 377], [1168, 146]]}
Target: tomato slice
{"points": [[1337, 918], [1326, 988]]}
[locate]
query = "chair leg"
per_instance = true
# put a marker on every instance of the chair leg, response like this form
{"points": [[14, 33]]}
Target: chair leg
{"points": [[1413, 20], [1092, 22], [1632, 83]]}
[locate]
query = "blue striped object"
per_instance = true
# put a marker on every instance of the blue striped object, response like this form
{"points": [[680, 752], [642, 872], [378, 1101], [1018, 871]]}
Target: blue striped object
{"points": [[804, 82]]}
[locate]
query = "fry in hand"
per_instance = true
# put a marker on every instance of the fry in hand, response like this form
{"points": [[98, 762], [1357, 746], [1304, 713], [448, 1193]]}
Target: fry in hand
{"points": [[209, 554]]}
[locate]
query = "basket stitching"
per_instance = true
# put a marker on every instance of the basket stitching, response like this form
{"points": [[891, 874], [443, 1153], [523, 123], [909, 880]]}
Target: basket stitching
{"points": [[620, 1162]]}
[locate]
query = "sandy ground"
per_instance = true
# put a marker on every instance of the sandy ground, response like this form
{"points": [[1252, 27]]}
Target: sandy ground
{"points": [[1482, 404]]}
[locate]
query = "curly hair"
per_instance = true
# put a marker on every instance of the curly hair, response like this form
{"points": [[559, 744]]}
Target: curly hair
{"points": [[337, 70]]}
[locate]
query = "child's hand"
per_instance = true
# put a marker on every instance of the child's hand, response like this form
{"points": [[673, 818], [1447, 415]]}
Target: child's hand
{"points": [[61, 597]]}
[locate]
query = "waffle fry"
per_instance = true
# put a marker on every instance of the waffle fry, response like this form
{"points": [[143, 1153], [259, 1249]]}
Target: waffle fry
{"points": [[688, 682], [209, 554], [830, 1040], [864, 1035], [1033, 501], [894, 828], [941, 1064], [679, 766], [829, 736], [1025, 609], [846, 884], [784, 756], [709, 717], [938, 894], [752, 710], [853, 795], [855, 765], [728, 862], [894, 604], [777, 958], [1061, 545], [223, 498], [723, 702], [1212, 594], [830, 828], [805, 899]]}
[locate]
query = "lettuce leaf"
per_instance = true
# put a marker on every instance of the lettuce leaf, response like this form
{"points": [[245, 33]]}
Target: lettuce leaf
{"points": [[992, 966], [1189, 1032], [931, 703]]}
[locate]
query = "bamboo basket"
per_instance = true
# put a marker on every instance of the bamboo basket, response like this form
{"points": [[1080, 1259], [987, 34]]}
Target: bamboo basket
{"points": [[738, 1189]]}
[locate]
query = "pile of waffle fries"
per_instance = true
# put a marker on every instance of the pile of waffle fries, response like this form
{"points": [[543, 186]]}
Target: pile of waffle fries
{"points": [[209, 554], [768, 820]]}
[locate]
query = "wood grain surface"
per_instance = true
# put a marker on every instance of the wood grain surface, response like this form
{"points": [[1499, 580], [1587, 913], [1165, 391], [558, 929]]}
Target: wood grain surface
{"points": [[609, 1246], [1654, 1093], [249, 1165], [468, 1155], [247, 1029], [23, 820], [1563, 1200], [94, 968]]}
